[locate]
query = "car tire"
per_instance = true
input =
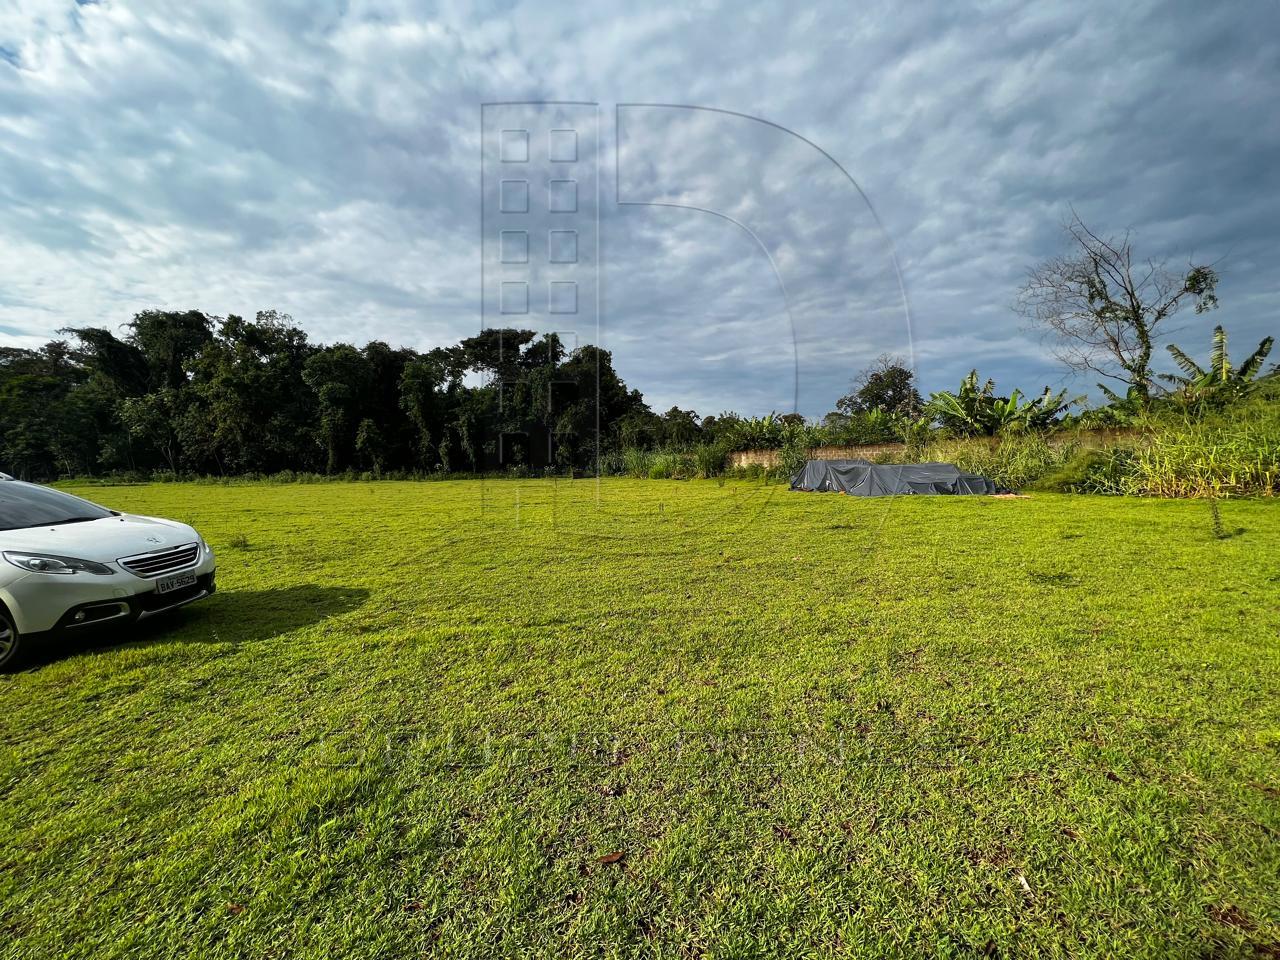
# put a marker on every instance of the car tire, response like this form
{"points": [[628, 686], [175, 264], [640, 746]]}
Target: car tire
{"points": [[10, 641]]}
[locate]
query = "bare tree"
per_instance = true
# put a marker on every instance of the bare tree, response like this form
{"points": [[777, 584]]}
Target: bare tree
{"points": [[1105, 314]]}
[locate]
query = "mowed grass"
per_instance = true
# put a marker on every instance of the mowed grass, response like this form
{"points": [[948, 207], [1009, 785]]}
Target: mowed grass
{"points": [[513, 719]]}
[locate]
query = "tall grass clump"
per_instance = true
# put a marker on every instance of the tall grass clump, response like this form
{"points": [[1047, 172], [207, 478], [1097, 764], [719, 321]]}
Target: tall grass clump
{"points": [[1014, 460], [752, 471], [708, 459], [637, 463], [1103, 470], [672, 465], [1233, 451], [793, 455], [1236, 453]]}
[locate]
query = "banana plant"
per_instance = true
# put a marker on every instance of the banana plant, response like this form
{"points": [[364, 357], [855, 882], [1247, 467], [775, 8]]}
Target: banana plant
{"points": [[1041, 412], [1220, 381], [1131, 402], [754, 433], [966, 411], [975, 409], [1119, 411]]}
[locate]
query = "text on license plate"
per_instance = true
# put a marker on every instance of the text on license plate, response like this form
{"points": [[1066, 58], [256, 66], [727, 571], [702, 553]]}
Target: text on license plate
{"points": [[169, 584]]}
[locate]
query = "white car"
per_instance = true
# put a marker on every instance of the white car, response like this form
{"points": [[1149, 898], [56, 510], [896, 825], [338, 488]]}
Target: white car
{"points": [[67, 564]]}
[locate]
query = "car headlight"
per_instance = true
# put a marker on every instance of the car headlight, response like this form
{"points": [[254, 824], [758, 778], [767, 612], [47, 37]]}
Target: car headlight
{"points": [[47, 563]]}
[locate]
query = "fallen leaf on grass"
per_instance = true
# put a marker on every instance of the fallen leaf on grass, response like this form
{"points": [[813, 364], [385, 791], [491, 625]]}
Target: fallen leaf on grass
{"points": [[235, 908], [611, 858], [1111, 775], [1026, 887]]}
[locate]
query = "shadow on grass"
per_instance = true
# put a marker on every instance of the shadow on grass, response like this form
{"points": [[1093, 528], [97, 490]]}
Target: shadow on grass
{"points": [[229, 616]]}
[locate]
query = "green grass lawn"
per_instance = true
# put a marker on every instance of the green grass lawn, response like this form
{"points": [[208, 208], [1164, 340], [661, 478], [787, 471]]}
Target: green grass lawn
{"points": [[662, 719]]}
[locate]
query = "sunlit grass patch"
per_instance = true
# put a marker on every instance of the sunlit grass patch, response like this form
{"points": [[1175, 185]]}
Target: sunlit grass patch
{"points": [[662, 719]]}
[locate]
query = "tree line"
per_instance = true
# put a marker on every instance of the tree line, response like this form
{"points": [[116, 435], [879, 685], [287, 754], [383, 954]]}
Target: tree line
{"points": [[184, 392]]}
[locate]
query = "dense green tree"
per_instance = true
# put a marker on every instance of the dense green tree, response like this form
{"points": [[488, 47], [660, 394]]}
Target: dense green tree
{"points": [[593, 402], [341, 377], [429, 390], [119, 363], [680, 428], [170, 340], [183, 392], [152, 421], [259, 407], [887, 385], [35, 429]]}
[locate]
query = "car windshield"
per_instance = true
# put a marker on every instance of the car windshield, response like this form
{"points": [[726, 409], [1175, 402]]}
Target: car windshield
{"points": [[27, 505]]}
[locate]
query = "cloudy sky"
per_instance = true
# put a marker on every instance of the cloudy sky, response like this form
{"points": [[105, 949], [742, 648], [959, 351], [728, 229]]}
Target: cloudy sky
{"points": [[878, 180]]}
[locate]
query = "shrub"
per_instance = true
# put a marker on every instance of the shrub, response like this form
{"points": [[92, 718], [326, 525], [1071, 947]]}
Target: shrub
{"points": [[611, 463], [636, 462], [860, 428], [661, 468], [794, 453], [753, 471], [708, 459], [1089, 470], [915, 433], [1232, 453], [671, 465]]}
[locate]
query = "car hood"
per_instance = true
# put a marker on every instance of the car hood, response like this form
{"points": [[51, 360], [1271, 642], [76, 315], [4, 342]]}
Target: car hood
{"points": [[103, 540]]}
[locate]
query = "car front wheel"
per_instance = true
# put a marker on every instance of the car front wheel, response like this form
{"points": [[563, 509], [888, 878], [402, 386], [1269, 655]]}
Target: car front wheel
{"points": [[10, 642]]}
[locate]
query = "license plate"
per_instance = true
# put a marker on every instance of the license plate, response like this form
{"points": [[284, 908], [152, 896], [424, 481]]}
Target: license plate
{"points": [[169, 584]]}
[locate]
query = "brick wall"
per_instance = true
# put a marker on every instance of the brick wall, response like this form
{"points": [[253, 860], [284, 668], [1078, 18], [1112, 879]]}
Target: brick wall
{"points": [[769, 458]]}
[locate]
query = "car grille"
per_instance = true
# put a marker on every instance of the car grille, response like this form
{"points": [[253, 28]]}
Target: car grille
{"points": [[159, 563], [152, 602]]}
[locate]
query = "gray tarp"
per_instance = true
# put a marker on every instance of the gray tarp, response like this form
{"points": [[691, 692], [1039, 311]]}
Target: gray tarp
{"points": [[860, 478]]}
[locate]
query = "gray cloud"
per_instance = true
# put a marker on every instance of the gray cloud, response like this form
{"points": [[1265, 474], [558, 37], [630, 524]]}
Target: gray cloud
{"points": [[322, 158]]}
